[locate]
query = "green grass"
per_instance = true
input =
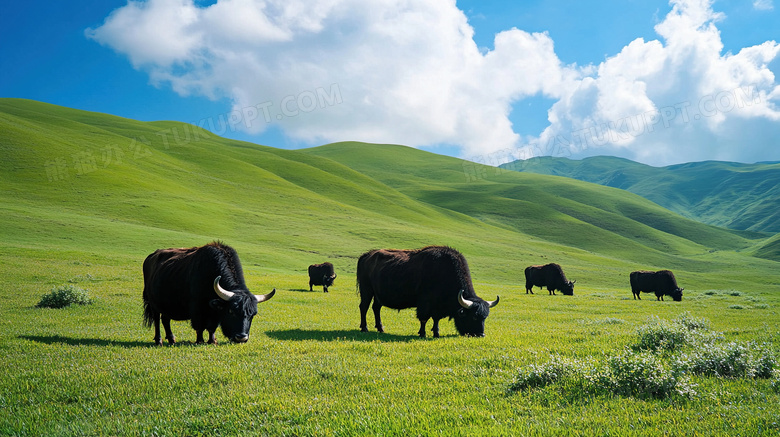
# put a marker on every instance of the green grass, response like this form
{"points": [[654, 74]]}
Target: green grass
{"points": [[307, 370]]}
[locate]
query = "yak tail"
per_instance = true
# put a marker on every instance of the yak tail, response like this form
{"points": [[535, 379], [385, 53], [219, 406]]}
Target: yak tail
{"points": [[149, 314], [358, 270]]}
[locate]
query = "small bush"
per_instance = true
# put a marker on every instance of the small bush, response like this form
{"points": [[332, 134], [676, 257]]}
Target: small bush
{"points": [[736, 307], [644, 375], [541, 375], [659, 335], [692, 323], [730, 360], [735, 293], [640, 374], [62, 296]]}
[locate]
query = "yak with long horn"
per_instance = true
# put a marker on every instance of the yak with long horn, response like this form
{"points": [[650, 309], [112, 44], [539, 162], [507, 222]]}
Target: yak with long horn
{"points": [[180, 284]]}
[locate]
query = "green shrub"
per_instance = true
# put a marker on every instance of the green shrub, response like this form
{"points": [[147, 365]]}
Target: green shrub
{"points": [[640, 374], [730, 360], [692, 323], [660, 335], [643, 375], [62, 296], [541, 375]]}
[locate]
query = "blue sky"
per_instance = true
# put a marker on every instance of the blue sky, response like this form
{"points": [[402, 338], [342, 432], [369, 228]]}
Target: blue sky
{"points": [[654, 81]]}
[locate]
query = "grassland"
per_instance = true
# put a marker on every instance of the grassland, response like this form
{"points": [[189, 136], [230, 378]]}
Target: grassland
{"points": [[85, 197]]}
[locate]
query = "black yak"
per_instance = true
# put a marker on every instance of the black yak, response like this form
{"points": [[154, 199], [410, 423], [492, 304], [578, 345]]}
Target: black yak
{"points": [[202, 284], [661, 283], [321, 274], [435, 280], [550, 276]]}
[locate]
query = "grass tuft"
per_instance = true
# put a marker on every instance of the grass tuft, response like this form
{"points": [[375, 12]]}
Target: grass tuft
{"points": [[65, 295]]}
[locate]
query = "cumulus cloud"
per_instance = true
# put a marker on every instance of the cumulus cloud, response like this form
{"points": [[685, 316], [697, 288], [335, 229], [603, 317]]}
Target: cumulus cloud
{"points": [[410, 72], [382, 71], [673, 101]]}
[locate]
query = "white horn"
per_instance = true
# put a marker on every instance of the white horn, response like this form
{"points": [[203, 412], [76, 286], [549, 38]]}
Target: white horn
{"points": [[265, 297], [465, 303], [221, 292], [494, 303]]}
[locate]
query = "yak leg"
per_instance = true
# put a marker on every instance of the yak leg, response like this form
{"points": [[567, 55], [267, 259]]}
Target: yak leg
{"points": [[166, 321], [435, 328], [199, 339], [325, 288], [421, 332], [310, 284], [212, 337], [377, 307], [364, 304], [157, 337], [551, 292]]}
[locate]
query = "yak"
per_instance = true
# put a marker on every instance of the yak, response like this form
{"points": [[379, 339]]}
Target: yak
{"points": [[202, 284], [661, 283], [321, 274], [550, 276], [435, 280]]}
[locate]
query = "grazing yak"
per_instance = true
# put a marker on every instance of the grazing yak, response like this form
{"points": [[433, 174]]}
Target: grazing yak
{"points": [[661, 283], [321, 274], [202, 284], [435, 280], [550, 276]]}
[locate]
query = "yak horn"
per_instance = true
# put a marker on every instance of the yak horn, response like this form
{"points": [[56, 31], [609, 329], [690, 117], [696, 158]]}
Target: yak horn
{"points": [[494, 303], [221, 292], [465, 303], [265, 297]]}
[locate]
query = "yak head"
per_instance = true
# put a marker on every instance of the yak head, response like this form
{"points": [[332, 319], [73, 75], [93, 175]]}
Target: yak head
{"points": [[677, 294], [327, 280], [470, 318], [568, 288], [236, 310]]}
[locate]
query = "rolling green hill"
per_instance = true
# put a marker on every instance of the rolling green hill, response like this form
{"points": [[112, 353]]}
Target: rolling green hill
{"points": [[74, 180], [728, 194]]}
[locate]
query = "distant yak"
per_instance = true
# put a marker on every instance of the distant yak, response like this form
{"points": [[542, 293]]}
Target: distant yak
{"points": [[661, 283], [435, 280], [202, 284], [321, 274], [550, 276]]}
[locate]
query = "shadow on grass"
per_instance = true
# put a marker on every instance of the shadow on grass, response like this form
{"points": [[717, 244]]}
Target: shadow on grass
{"points": [[58, 339], [339, 334], [305, 290]]}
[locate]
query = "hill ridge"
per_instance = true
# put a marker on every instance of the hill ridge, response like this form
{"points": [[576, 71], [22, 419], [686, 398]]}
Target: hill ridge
{"points": [[734, 195]]}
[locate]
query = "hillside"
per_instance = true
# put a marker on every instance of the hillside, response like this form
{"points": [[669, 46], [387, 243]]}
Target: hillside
{"points": [[727, 194], [98, 185]]}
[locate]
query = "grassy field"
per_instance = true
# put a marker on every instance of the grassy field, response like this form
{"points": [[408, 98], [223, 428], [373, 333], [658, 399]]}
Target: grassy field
{"points": [[74, 210]]}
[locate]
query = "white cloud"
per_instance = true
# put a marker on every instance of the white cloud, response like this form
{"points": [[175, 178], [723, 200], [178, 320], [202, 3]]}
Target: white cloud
{"points": [[406, 72], [680, 100], [763, 5], [410, 72]]}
